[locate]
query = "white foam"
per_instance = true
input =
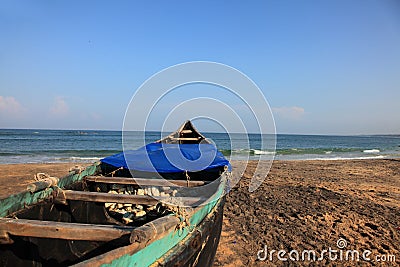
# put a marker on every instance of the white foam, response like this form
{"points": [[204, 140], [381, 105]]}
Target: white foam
{"points": [[85, 158], [349, 158], [71, 159], [262, 152], [371, 151]]}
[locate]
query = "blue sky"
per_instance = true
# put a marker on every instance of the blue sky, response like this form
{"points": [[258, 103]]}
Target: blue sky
{"points": [[325, 67]]}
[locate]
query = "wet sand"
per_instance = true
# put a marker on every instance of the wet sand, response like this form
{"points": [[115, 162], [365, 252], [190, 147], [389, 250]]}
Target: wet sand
{"points": [[301, 205]]}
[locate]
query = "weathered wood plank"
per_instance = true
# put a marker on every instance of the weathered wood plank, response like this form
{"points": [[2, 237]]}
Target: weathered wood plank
{"points": [[64, 195], [143, 181], [42, 184], [154, 229], [104, 197], [62, 230]]}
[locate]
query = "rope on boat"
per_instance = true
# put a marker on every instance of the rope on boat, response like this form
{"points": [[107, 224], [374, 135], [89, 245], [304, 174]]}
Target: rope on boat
{"points": [[42, 176], [183, 218], [182, 214], [114, 171], [187, 178], [77, 169], [228, 186], [43, 181]]}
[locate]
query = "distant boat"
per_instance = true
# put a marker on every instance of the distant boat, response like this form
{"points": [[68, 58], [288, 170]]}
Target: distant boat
{"points": [[100, 216]]}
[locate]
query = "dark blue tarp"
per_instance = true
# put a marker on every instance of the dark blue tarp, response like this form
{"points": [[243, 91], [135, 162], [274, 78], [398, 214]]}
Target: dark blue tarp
{"points": [[169, 158]]}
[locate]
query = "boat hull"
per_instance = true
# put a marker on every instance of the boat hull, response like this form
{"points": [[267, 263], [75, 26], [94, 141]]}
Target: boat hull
{"points": [[198, 249]]}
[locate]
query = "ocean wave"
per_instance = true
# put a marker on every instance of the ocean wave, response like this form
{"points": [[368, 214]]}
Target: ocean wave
{"points": [[291, 151], [48, 159], [371, 151], [78, 159], [243, 152], [12, 154], [315, 151], [262, 152], [38, 145], [61, 152], [349, 158]]}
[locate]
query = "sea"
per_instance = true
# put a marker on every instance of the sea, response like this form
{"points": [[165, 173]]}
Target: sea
{"points": [[56, 146]]}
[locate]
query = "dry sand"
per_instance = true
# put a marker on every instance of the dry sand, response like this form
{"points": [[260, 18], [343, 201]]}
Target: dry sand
{"points": [[309, 205], [300, 205], [15, 177]]}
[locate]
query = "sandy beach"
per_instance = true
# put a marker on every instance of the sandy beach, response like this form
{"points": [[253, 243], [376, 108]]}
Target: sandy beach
{"points": [[310, 205], [301, 205]]}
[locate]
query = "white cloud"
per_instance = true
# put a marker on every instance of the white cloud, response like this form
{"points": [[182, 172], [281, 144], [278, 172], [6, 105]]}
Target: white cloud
{"points": [[60, 107], [292, 113], [10, 106]]}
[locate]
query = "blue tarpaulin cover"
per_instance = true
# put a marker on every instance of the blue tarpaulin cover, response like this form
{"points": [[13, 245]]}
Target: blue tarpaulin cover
{"points": [[169, 158]]}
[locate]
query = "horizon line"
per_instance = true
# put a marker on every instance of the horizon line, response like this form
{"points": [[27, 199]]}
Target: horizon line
{"points": [[168, 131]]}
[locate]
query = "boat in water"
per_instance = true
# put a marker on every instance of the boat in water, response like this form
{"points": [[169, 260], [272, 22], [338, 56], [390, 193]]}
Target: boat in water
{"points": [[159, 205]]}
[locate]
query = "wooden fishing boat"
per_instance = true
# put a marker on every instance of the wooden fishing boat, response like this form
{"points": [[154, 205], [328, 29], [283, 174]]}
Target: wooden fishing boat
{"points": [[106, 215]]}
